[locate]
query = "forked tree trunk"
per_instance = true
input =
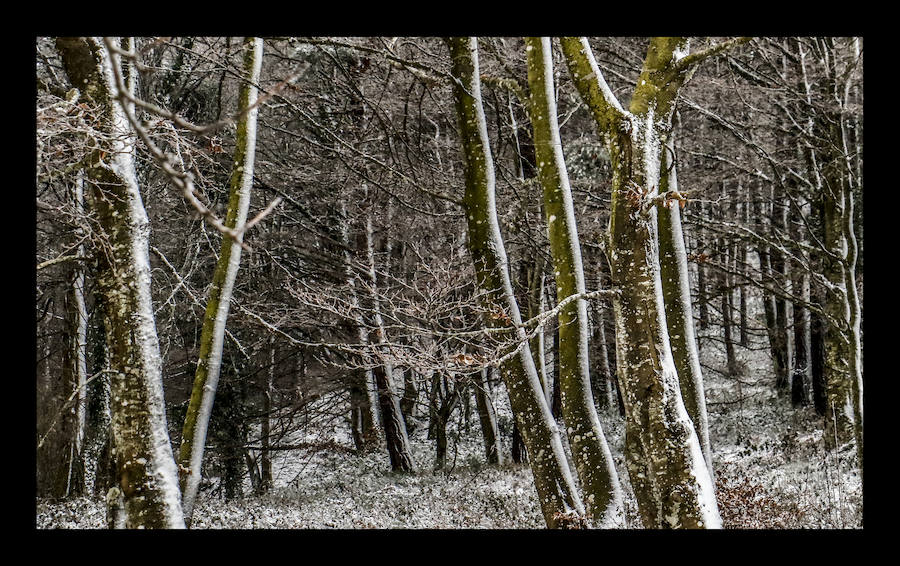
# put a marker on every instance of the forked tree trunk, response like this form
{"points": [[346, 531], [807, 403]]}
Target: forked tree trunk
{"points": [[671, 481], [557, 495]]}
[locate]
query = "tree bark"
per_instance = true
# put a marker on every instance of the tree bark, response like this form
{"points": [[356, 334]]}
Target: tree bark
{"points": [[144, 459], [557, 495], [800, 377], [393, 425], [665, 461], [676, 290], [593, 460], [212, 338]]}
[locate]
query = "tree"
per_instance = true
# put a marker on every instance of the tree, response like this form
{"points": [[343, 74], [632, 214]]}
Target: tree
{"points": [[144, 459], [193, 438], [593, 460], [677, 299], [663, 451], [553, 480]]}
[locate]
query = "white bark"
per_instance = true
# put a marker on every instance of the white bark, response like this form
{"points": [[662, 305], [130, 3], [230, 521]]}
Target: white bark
{"points": [[244, 166]]}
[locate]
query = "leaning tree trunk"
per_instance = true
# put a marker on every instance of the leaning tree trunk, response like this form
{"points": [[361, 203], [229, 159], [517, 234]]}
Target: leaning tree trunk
{"points": [[555, 486], [671, 481], [206, 379], [146, 467], [593, 460]]}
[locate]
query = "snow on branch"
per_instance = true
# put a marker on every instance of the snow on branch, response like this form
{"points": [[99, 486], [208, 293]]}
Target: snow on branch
{"points": [[696, 58]]}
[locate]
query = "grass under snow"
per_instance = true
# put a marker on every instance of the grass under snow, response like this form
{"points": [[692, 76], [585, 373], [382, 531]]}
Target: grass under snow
{"points": [[772, 471]]}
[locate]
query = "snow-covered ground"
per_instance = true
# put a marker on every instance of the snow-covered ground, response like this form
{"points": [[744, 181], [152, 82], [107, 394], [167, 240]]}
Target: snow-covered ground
{"points": [[772, 471]]}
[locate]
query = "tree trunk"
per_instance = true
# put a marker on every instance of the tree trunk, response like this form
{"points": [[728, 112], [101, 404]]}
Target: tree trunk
{"points": [[676, 289], [671, 481], [553, 480], [779, 360], [604, 396], [393, 425], [146, 466], [212, 338], [817, 362], [727, 318], [364, 406], [800, 377], [593, 460], [781, 278], [265, 472], [488, 419]]}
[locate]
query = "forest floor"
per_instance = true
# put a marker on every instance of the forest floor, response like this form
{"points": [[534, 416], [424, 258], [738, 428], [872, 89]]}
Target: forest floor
{"points": [[772, 471]]}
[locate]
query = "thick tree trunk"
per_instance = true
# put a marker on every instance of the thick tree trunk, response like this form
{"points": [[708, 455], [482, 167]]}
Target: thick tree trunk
{"points": [[671, 481], [553, 480], [843, 412], [146, 466]]}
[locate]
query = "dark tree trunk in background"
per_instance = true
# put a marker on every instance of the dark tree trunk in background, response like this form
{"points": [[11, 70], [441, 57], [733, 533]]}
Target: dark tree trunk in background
{"points": [[742, 266], [394, 427], [556, 399], [779, 272], [817, 363], [229, 432], [776, 346], [725, 298], [488, 418], [702, 286], [410, 395], [801, 375], [519, 453], [362, 425]]}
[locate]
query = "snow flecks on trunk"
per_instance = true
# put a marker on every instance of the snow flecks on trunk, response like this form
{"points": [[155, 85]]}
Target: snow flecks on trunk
{"points": [[593, 460], [677, 298], [665, 462], [144, 459], [553, 480], [214, 323]]}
